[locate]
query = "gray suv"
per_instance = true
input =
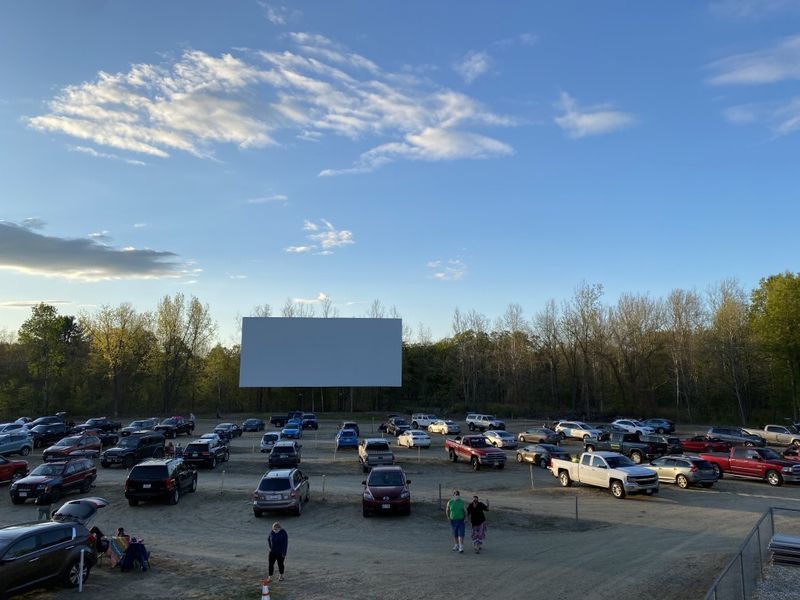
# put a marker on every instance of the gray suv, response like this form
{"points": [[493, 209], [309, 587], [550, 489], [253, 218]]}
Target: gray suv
{"points": [[281, 489], [36, 554], [15, 443], [736, 436]]}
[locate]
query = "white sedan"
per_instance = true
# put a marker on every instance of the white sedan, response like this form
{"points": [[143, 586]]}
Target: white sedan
{"points": [[444, 426], [414, 438], [633, 426], [500, 439]]}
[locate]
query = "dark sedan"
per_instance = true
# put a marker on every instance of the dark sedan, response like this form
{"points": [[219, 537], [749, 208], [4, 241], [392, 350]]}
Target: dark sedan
{"points": [[540, 454], [254, 425], [140, 425], [228, 431]]}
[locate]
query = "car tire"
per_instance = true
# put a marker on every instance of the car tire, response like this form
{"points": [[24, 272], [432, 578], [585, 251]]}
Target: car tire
{"points": [[213, 463], [682, 482], [257, 513], [133, 502], [796, 443], [128, 461], [749, 444], [73, 575], [86, 486], [105, 464], [543, 463], [589, 448], [471, 427], [37, 443], [226, 457], [17, 475], [717, 469], [55, 495], [660, 430], [774, 478], [24, 451], [366, 513], [414, 425], [564, 479], [298, 510], [475, 463], [636, 457], [617, 489], [17, 500], [175, 496], [707, 484], [453, 456], [407, 512], [520, 458], [501, 466]]}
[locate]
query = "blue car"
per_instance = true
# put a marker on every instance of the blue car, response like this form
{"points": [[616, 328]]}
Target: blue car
{"points": [[346, 438], [292, 431]]}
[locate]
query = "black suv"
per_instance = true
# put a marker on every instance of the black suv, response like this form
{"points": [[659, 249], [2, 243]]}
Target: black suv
{"points": [[133, 448], [35, 554], [206, 452], [160, 478], [54, 479], [284, 454], [44, 435]]}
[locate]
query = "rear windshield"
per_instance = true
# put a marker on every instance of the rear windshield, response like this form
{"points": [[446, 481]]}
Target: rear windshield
{"points": [[270, 437], [273, 484], [149, 472], [197, 448], [283, 449], [386, 478], [347, 433], [378, 446], [702, 464]]}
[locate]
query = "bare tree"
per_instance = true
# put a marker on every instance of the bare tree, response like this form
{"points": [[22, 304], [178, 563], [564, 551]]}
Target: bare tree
{"points": [[262, 310], [376, 310], [580, 322], [546, 327], [289, 308], [327, 310], [686, 318]]}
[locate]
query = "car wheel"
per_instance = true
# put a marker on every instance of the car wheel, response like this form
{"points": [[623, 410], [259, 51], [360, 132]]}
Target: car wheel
{"points": [[74, 576], [564, 479], [501, 466], [104, 464], [476, 464], [774, 478], [617, 490], [299, 508], [543, 463], [175, 496], [660, 430], [37, 443], [589, 448], [158, 453], [213, 463], [414, 425], [226, 457], [257, 513], [636, 457], [17, 475], [520, 458], [25, 450], [682, 482], [55, 495], [453, 456], [471, 427], [133, 502], [17, 500], [128, 461], [649, 492], [86, 486], [748, 444], [717, 469]]}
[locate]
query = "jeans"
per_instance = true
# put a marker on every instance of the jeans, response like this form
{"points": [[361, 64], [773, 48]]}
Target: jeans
{"points": [[273, 557]]}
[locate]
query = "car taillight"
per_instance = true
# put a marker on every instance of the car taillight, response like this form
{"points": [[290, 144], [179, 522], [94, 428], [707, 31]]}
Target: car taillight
{"points": [[169, 483], [693, 469], [293, 494], [127, 485]]}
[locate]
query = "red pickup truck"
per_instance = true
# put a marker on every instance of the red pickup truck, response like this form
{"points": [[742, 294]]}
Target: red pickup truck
{"points": [[757, 463], [475, 450]]}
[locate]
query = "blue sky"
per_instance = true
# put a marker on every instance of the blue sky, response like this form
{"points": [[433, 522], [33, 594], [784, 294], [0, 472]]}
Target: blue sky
{"points": [[431, 155]]}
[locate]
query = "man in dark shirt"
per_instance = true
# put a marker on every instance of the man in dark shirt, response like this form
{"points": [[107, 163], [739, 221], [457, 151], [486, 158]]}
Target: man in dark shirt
{"points": [[476, 511], [278, 545]]}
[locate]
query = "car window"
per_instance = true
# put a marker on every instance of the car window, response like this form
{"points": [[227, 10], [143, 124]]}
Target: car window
{"points": [[597, 462], [274, 484], [22, 547], [586, 460], [55, 536]]}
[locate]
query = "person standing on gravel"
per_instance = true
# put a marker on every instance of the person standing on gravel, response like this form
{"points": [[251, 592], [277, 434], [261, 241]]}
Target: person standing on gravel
{"points": [[278, 542], [476, 511], [456, 513]]}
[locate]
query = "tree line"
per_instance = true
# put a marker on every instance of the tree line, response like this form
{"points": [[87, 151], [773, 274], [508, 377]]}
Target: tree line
{"points": [[725, 355]]}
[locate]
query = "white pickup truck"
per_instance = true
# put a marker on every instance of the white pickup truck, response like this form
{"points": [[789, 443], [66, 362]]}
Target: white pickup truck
{"points": [[608, 470]]}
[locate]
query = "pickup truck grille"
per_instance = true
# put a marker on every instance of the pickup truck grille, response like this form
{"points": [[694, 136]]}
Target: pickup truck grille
{"points": [[495, 456], [643, 479]]}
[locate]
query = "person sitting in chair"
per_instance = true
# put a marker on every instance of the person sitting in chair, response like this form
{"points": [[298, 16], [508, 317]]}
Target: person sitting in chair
{"points": [[135, 553]]}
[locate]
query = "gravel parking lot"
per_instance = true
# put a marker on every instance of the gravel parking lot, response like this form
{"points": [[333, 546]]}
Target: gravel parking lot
{"points": [[211, 546]]}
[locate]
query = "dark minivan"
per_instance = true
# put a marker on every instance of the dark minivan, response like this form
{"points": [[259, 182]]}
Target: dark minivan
{"points": [[162, 479], [134, 447]]}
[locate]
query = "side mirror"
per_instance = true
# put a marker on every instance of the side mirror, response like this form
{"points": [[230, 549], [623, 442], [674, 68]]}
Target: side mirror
{"points": [[602, 466], [408, 481], [364, 482]]}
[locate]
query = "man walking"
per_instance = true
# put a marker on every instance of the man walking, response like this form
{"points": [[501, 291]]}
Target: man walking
{"points": [[456, 513], [278, 545], [476, 511], [44, 503]]}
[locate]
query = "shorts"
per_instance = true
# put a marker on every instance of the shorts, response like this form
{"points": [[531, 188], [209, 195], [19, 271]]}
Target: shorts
{"points": [[457, 526]]}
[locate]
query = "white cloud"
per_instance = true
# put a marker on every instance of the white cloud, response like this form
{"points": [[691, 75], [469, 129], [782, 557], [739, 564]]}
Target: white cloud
{"points": [[314, 89], [321, 297], [279, 14], [100, 236], [453, 269], [782, 118], [25, 251], [779, 63], [268, 199], [473, 65], [96, 154], [33, 223], [237, 276], [593, 120], [753, 9], [324, 237], [139, 225], [32, 303]]}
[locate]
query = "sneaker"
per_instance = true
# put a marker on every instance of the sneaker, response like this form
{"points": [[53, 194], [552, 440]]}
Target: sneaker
{"points": [[280, 577], [455, 548], [460, 550]]}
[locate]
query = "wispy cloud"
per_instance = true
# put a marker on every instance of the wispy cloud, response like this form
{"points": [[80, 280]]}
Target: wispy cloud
{"points": [[453, 269], [32, 303], [96, 154], [139, 225], [278, 14], [579, 122], [313, 89], [100, 236], [782, 118], [324, 238], [473, 65], [33, 223], [25, 251], [753, 9], [321, 297], [268, 199], [778, 63], [237, 276]]}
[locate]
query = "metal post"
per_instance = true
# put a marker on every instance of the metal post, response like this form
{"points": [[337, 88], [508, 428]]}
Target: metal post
{"points": [[222, 482], [323, 487], [316, 433], [530, 466], [741, 571], [80, 571], [419, 454], [760, 554], [576, 511]]}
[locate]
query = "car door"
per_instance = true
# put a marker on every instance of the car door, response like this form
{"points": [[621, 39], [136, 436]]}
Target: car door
{"points": [[598, 471], [22, 564]]}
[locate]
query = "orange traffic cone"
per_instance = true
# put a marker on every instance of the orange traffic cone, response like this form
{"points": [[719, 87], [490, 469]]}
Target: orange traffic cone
{"points": [[265, 588]]}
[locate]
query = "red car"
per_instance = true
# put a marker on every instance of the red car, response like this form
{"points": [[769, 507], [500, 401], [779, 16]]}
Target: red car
{"points": [[702, 443], [11, 470], [386, 490], [74, 446]]}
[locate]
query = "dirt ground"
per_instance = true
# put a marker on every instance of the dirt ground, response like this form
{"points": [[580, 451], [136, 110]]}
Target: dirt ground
{"points": [[212, 546]]}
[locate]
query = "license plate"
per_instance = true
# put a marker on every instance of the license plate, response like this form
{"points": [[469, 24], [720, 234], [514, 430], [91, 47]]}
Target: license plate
{"points": [[23, 494], [194, 453], [284, 456], [146, 485], [273, 497], [386, 506]]}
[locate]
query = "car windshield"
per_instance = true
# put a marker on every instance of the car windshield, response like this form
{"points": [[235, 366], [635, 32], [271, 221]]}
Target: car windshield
{"points": [[170, 421], [197, 448], [94, 421], [702, 464], [450, 422], [138, 424], [504, 434], [378, 447], [347, 433], [69, 441], [128, 442], [386, 479], [399, 421], [490, 417], [274, 484], [792, 429], [270, 437], [47, 470], [148, 472], [619, 461]]}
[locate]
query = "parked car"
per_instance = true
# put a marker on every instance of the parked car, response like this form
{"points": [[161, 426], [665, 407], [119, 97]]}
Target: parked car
{"points": [[373, 452], [139, 425], [609, 470], [133, 448], [384, 427], [16, 443], [703, 443], [577, 430], [309, 421], [206, 452], [174, 426], [13, 427], [784, 435], [292, 431], [736, 436], [98, 424], [629, 444], [73, 446], [501, 439], [540, 454], [396, 426], [757, 463], [634, 426], [44, 435], [81, 510], [160, 479], [541, 435], [33, 555], [660, 425], [386, 490], [414, 438], [445, 427], [422, 420], [346, 438], [608, 428], [268, 440], [285, 454], [49, 420], [673, 442], [228, 430], [11, 470], [684, 471], [350, 425], [476, 422], [254, 424], [214, 437], [475, 450], [54, 479], [281, 420], [282, 489]]}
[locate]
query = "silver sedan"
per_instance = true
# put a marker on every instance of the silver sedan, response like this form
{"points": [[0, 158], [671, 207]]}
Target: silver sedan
{"points": [[500, 439]]}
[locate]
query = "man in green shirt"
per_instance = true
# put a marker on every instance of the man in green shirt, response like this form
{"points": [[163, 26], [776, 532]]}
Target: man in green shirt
{"points": [[456, 512]]}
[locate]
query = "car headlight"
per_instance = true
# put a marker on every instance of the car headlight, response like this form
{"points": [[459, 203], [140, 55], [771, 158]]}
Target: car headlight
{"points": [[405, 494], [41, 486], [787, 469], [368, 495], [14, 486]]}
